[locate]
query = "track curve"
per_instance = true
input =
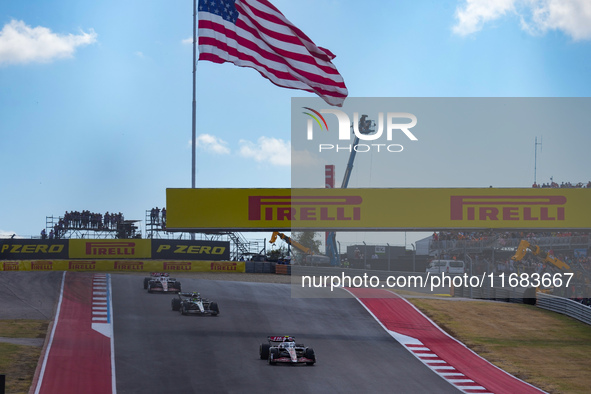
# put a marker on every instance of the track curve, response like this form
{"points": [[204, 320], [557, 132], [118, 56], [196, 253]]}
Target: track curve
{"points": [[158, 350]]}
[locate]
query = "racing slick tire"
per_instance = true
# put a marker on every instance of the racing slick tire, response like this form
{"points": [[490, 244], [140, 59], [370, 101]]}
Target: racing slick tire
{"points": [[149, 288], [146, 281], [177, 285], [264, 351], [183, 310], [176, 304], [273, 354], [309, 353], [214, 308]]}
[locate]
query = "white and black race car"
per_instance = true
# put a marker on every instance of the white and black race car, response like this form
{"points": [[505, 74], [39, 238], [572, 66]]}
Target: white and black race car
{"points": [[162, 283], [284, 349], [193, 303]]}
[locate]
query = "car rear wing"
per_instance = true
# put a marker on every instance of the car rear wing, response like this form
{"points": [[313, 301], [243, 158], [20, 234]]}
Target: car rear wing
{"points": [[281, 338], [190, 294]]}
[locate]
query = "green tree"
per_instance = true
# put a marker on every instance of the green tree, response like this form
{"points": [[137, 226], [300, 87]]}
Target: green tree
{"points": [[276, 254], [308, 239]]}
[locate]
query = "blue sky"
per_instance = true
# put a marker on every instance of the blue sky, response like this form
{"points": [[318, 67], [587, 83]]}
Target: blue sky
{"points": [[95, 97]]}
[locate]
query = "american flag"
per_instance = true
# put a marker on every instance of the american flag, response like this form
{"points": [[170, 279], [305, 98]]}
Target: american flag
{"points": [[253, 33]]}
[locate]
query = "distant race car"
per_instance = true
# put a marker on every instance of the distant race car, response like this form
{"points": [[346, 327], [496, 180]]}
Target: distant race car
{"points": [[193, 303], [161, 282], [284, 349]]}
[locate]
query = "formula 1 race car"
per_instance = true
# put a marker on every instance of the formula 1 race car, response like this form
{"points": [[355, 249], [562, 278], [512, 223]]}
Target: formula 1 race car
{"points": [[193, 303], [284, 349], [162, 283]]}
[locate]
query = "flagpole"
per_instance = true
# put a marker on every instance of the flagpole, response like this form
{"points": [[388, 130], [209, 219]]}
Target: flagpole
{"points": [[194, 136]]}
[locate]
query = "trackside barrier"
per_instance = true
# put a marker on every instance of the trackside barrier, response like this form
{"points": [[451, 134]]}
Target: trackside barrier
{"points": [[283, 269], [519, 295], [565, 306], [259, 267], [550, 302], [123, 265]]}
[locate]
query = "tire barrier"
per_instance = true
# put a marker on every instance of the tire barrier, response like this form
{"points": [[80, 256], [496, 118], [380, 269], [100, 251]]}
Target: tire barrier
{"points": [[283, 269], [259, 267]]}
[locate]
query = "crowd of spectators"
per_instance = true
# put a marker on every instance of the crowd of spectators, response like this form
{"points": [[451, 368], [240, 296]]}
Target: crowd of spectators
{"points": [[90, 220], [84, 220], [555, 185], [485, 235], [463, 235], [158, 217], [87, 220]]}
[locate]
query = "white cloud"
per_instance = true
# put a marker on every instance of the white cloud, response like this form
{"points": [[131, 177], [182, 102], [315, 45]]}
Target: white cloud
{"points": [[210, 143], [267, 150], [476, 13], [304, 159], [7, 234], [572, 17], [187, 40], [20, 43]]}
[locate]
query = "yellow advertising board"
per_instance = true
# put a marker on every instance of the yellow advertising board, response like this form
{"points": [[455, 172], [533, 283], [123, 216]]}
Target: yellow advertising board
{"points": [[123, 265], [378, 209], [110, 248]]}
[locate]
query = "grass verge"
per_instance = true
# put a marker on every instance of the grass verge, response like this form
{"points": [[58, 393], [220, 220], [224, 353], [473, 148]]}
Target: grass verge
{"points": [[18, 362], [546, 349], [21, 328]]}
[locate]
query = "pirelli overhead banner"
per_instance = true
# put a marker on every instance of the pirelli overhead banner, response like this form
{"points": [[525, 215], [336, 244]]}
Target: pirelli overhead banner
{"points": [[377, 209], [28, 249]]}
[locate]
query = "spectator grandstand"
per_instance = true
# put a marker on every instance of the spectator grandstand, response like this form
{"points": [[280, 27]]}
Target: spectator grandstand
{"points": [[86, 224]]}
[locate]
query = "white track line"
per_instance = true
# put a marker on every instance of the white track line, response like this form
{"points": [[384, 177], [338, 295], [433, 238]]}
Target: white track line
{"points": [[113, 377], [445, 372], [102, 315], [46, 356]]}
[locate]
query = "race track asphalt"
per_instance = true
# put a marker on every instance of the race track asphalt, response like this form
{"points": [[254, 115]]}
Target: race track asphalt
{"points": [[29, 295], [158, 350]]}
